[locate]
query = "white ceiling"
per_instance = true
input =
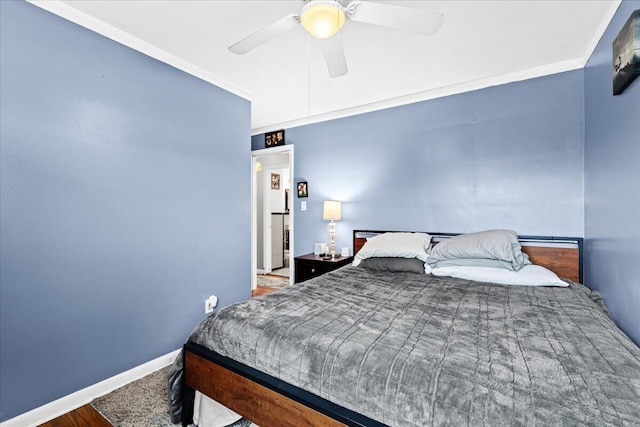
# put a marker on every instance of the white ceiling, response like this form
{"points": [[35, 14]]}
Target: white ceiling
{"points": [[481, 43]]}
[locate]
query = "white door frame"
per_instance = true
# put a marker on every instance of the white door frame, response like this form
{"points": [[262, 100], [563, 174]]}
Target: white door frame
{"points": [[266, 217], [286, 149]]}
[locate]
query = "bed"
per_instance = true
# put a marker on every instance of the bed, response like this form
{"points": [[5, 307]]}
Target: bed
{"points": [[422, 350]]}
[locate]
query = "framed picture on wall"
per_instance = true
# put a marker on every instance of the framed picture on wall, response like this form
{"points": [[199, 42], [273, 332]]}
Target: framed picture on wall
{"points": [[275, 181], [273, 139], [303, 190], [626, 54]]}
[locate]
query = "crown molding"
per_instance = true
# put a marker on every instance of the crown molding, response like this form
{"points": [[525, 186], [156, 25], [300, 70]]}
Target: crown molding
{"points": [[65, 11], [69, 13], [601, 29], [530, 73], [558, 67]]}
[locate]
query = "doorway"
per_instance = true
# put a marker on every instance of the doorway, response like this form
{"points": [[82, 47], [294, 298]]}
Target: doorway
{"points": [[272, 218]]}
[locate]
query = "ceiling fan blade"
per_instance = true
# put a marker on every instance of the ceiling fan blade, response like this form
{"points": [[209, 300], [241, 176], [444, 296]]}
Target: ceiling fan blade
{"points": [[401, 18], [264, 35], [334, 56]]}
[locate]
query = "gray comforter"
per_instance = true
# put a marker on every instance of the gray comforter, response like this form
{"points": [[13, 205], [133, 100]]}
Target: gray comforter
{"points": [[417, 350]]}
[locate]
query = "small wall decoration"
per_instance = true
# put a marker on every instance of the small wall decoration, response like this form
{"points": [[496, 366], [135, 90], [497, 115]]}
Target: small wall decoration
{"points": [[275, 181], [302, 189], [273, 139], [626, 54]]}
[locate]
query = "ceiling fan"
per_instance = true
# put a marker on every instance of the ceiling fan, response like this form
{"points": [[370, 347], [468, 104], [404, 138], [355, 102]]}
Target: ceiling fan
{"points": [[324, 18]]}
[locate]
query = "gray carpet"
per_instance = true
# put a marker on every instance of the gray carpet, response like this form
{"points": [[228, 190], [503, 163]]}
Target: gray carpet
{"points": [[142, 403]]}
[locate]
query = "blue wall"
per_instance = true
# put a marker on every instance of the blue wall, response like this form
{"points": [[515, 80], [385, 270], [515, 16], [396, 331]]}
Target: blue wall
{"points": [[117, 171], [612, 183], [506, 156], [124, 204]]}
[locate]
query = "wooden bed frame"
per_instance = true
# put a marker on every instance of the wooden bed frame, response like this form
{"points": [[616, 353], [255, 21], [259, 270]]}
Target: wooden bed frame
{"points": [[268, 401], [562, 255]]}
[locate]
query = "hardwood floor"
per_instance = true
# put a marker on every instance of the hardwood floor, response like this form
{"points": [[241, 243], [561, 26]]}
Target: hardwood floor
{"points": [[261, 290], [84, 416]]}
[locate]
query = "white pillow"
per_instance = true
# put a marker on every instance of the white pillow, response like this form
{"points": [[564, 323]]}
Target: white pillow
{"points": [[529, 275], [396, 245]]}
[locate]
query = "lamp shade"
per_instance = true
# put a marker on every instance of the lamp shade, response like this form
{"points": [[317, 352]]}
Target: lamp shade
{"points": [[332, 210], [322, 18]]}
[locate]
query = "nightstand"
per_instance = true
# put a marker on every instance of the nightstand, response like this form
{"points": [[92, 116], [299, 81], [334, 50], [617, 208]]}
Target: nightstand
{"points": [[310, 266]]}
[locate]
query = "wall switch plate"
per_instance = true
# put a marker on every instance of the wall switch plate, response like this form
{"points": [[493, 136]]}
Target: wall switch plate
{"points": [[210, 303], [303, 206]]}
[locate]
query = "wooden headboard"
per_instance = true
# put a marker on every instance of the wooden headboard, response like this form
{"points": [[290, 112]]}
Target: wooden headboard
{"points": [[562, 255]]}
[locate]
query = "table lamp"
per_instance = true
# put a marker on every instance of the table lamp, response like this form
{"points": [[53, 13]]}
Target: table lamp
{"points": [[332, 211]]}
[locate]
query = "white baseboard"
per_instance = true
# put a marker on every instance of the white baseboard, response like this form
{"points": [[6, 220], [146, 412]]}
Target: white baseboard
{"points": [[75, 400]]}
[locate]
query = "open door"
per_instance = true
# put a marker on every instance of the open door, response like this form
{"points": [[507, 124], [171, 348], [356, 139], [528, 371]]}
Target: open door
{"points": [[272, 213]]}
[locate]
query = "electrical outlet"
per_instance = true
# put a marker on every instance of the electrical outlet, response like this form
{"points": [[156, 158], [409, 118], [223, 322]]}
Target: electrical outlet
{"points": [[210, 303]]}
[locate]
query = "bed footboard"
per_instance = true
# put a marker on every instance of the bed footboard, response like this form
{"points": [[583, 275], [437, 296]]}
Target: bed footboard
{"points": [[265, 400]]}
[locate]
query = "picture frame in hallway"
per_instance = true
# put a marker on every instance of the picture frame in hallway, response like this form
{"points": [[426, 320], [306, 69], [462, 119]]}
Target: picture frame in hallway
{"points": [[303, 189], [626, 54], [275, 181]]}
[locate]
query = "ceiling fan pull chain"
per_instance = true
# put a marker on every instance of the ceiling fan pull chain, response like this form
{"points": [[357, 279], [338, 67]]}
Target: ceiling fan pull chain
{"points": [[308, 75]]}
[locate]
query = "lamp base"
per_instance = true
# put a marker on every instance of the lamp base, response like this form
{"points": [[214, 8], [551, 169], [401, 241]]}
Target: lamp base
{"points": [[333, 251]]}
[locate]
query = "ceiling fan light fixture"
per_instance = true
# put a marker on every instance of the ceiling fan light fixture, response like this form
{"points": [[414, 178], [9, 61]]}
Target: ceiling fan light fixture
{"points": [[322, 18]]}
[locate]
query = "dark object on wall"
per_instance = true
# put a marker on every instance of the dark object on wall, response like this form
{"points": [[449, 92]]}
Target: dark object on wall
{"points": [[303, 190], [279, 239], [626, 54], [275, 181], [273, 139]]}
